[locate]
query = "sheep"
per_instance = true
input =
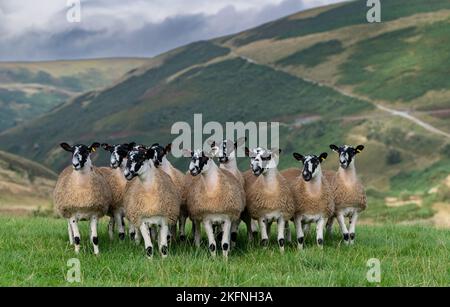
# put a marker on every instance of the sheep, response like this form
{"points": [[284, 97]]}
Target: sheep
{"points": [[227, 159], [82, 193], [153, 202], [269, 197], [312, 195], [214, 197], [160, 160], [118, 184], [349, 194]]}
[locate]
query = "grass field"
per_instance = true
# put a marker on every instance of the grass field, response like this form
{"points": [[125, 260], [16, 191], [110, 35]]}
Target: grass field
{"points": [[35, 251]]}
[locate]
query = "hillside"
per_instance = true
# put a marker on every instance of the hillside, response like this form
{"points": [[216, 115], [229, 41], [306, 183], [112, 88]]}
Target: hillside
{"points": [[29, 89], [325, 74], [24, 185]]}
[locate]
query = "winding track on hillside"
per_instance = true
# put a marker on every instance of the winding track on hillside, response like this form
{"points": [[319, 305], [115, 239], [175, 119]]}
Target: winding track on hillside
{"points": [[393, 112]]}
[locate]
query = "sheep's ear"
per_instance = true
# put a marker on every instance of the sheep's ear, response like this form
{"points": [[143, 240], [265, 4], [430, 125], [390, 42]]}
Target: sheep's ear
{"points": [[323, 157], [94, 146], [187, 153], [276, 152], [213, 152], [241, 141], [149, 154], [168, 148], [66, 147], [106, 147], [247, 152], [334, 148], [359, 148], [298, 157], [211, 143]]}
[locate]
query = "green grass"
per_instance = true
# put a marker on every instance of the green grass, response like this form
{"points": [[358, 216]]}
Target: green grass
{"points": [[35, 251]]}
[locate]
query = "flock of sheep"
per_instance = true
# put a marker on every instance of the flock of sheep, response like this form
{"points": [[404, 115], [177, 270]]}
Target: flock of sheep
{"points": [[142, 186]]}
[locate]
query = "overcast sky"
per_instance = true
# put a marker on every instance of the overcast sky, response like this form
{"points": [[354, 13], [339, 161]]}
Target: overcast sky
{"points": [[38, 30]]}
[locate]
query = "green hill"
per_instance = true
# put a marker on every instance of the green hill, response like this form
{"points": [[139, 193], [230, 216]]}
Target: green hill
{"points": [[29, 89], [323, 73]]}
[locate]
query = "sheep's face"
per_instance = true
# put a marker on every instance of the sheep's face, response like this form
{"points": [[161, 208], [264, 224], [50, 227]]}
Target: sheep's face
{"points": [[80, 154], [199, 163], [227, 150], [160, 152], [138, 163], [118, 153], [347, 154], [262, 160], [311, 165]]}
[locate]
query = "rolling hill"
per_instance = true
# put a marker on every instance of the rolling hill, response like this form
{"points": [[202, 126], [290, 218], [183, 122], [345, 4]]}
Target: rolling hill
{"points": [[326, 74], [29, 89]]}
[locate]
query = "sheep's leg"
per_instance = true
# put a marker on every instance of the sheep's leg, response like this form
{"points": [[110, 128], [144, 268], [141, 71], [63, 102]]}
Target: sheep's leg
{"points": [[172, 233], [111, 228], [319, 231], [352, 227], [299, 229], [163, 238], [288, 232], [138, 236], [119, 221], [211, 239], [234, 232], [147, 239], [341, 221], [70, 233], [330, 226], [281, 228], [132, 232], [248, 225], [76, 234], [197, 233], [254, 226], [94, 237], [182, 222], [227, 228], [306, 229], [263, 229]]}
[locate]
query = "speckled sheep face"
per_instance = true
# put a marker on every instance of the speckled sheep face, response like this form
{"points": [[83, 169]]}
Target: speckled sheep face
{"points": [[80, 154], [118, 153], [261, 160], [311, 165], [346, 154], [199, 163], [160, 153], [138, 162], [227, 149]]}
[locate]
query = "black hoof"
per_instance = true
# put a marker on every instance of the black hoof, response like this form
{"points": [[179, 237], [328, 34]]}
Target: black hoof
{"points": [[281, 242], [352, 236], [95, 240], [132, 236], [77, 240], [234, 236], [346, 236], [122, 236], [164, 250], [301, 240], [320, 241], [212, 248], [149, 251], [182, 238], [225, 246], [264, 242]]}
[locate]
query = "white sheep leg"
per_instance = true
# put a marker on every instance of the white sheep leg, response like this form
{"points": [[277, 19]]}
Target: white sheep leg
{"points": [[319, 232], [352, 227], [132, 231], [69, 229], [76, 233], [163, 238], [234, 232], [94, 236], [281, 228], [119, 221], [263, 229], [227, 231], [254, 226], [341, 221], [147, 240], [138, 236], [211, 238], [330, 226], [197, 233], [111, 228], [299, 230], [182, 222]]}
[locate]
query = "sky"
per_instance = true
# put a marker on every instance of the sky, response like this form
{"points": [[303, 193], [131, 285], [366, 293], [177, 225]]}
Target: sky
{"points": [[33, 30]]}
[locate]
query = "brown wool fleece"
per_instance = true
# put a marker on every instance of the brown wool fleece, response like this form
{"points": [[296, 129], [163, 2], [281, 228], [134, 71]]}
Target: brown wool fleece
{"points": [[306, 202], [178, 178], [81, 193], [347, 193], [161, 198], [226, 198], [263, 198], [118, 185]]}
